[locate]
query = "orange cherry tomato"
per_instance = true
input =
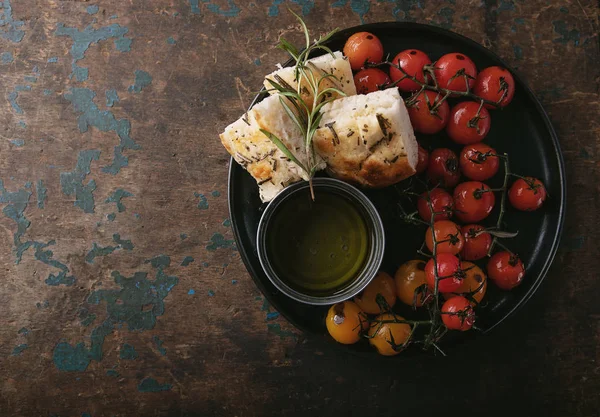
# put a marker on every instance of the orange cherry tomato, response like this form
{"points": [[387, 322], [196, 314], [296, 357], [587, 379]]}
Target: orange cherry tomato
{"points": [[388, 338], [409, 277], [345, 321], [382, 284], [448, 237], [474, 283], [370, 80], [362, 48]]}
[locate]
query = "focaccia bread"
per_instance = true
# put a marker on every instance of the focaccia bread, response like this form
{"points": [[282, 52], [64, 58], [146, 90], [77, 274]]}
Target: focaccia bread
{"points": [[337, 65], [254, 151], [368, 139]]}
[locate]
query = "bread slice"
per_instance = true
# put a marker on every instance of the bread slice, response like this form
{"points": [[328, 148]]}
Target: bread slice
{"points": [[337, 65], [368, 139], [254, 151]]}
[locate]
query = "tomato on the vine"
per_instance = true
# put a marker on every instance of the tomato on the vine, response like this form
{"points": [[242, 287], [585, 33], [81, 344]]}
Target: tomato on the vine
{"points": [[441, 202], [443, 168], [409, 277], [448, 269], [506, 270], [477, 242], [383, 284], [448, 237], [370, 80], [469, 123], [423, 160], [427, 114], [388, 337], [527, 194], [412, 62], [479, 161], [458, 314], [495, 84], [345, 321], [362, 48], [473, 201], [454, 71], [473, 286]]}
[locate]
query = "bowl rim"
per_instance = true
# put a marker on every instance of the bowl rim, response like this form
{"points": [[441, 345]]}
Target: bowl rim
{"points": [[374, 258]]}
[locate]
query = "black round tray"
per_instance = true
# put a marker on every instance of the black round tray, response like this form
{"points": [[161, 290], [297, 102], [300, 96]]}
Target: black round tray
{"points": [[522, 130]]}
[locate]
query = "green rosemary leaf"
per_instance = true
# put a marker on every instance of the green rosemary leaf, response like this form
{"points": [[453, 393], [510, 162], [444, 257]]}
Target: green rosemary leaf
{"points": [[293, 116], [331, 90], [328, 36], [288, 47], [283, 148], [324, 48], [304, 28]]}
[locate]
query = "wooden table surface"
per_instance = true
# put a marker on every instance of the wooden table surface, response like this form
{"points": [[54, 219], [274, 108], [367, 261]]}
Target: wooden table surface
{"points": [[121, 291]]}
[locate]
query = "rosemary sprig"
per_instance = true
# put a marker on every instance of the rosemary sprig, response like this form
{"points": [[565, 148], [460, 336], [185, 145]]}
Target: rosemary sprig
{"points": [[306, 116]]}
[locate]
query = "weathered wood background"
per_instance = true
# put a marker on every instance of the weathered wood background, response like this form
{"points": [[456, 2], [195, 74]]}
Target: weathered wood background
{"points": [[111, 168]]}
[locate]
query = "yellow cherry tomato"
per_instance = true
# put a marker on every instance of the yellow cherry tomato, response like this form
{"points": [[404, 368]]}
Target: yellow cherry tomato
{"points": [[382, 284], [409, 276], [475, 279], [345, 321], [388, 338]]}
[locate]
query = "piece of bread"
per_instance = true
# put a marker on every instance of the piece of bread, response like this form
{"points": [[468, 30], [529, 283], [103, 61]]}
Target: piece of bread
{"points": [[368, 139], [337, 65], [254, 151]]}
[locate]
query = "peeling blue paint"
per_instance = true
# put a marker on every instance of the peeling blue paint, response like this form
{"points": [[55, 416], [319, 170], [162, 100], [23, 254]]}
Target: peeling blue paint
{"points": [[203, 203], [13, 95], [117, 196], [114, 16], [159, 344], [152, 385], [9, 27], [36, 70], [211, 293], [519, 21], [560, 27], [47, 92], [88, 320], [307, 6], [403, 8], [127, 352], [187, 260], [142, 79], [171, 41], [159, 262], [72, 182], [518, 52], [17, 142], [183, 236], [30, 79], [563, 9], [105, 121], [18, 350], [205, 264], [275, 328], [112, 373], [111, 217], [218, 241], [234, 281], [22, 124], [227, 223], [53, 59], [195, 6], [40, 193], [107, 250], [111, 97], [272, 316], [216, 193], [93, 9], [6, 58], [359, 7], [191, 292], [506, 5], [257, 62], [446, 14], [583, 153], [24, 331]]}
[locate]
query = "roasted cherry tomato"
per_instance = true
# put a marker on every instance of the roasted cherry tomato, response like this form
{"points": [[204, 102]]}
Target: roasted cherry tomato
{"points": [[495, 84], [382, 284], [506, 270], [388, 338], [473, 201], [458, 314], [527, 194], [345, 321], [423, 160], [448, 237], [409, 277], [477, 242], [412, 62], [442, 204], [370, 80], [448, 268], [453, 71], [468, 123], [427, 115], [362, 48], [473, 286], [479, 162], [443, 168]]}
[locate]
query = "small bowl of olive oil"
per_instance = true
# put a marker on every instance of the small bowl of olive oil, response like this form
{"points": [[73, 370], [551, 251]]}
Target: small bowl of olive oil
{"points": [[320, 251]]}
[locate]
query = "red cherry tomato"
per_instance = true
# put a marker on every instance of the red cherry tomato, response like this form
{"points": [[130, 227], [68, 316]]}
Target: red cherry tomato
{"points": [[363, 47], [506, 270], [458, 314], [473, 201], [443, 168], [441, 201], [479, 162], [495, 84], [426, 116], [527, 194], [423, 160], [369, 80], [448, 269], [412, 62], [465, 126], [451, 70], [477, 242], [448, 237]]}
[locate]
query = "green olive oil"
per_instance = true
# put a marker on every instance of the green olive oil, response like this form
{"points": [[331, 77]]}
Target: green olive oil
{"points": [[317, 247]]}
